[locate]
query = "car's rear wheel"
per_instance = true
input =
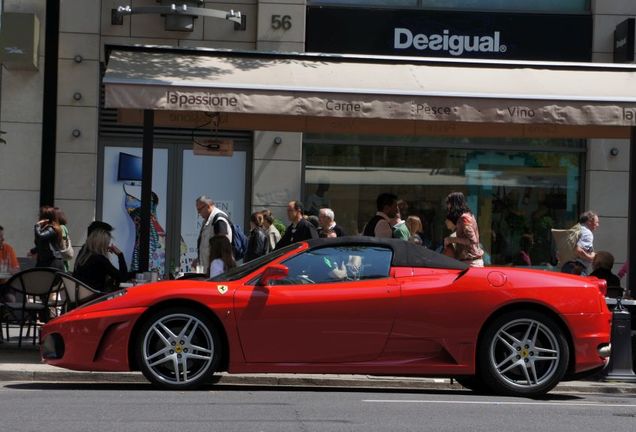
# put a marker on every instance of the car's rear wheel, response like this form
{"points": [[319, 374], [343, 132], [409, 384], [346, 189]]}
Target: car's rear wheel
{"points": [[178, 348], [523, 353]]}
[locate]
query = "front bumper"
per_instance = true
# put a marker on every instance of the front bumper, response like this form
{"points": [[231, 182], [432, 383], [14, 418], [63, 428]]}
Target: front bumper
{"points": [[96, 341]]}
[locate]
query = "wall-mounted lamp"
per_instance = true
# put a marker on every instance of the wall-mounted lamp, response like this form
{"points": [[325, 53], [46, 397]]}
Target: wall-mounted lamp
{"points": [[278, 140], [179, 16], [76, 133], [614, 151], [78, 59], [77, 96]]}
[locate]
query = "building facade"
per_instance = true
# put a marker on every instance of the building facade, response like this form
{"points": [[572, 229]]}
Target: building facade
{"points": [[516, 185]]}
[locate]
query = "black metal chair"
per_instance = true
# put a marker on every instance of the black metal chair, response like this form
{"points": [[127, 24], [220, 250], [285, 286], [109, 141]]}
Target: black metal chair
{"points": [[27, 295], [77, 292]]}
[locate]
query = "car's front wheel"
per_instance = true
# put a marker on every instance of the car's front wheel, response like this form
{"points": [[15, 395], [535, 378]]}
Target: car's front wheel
{"points": [[523, 353], [178, 348]]}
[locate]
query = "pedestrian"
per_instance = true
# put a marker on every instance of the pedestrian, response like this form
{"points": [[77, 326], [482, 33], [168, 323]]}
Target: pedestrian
{"points": [[48, 240], [257, 243], [585, 246], [93, 266], [400, 230], [328, 224], [221, 258], [273, 235], [299, 229], [8, 260], [466, 240], [95, 225], [414, 225], [208, 210], [523, 257], [313, 219], [584, 249], [8, 265], [66, 249], [602, 268], [379, 225]]}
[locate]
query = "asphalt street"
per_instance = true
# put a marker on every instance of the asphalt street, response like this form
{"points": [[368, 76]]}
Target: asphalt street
{"points": [[69, 407]]}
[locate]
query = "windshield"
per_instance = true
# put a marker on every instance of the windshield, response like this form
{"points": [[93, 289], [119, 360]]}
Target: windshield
{"points": [[247, 268]]}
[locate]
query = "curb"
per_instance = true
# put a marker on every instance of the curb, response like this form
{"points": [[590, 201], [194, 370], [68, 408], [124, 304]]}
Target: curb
{"points": [[318, 381]]}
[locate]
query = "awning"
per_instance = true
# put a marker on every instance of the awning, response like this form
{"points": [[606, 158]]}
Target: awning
{"points": [[372, 87]]}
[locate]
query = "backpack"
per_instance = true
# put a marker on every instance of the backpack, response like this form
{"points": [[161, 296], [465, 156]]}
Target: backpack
{"points": [[565, 241], [239, 240]]}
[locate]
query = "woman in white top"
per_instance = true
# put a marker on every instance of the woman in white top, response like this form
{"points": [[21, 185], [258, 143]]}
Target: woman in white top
{"points": [[221, 257]]}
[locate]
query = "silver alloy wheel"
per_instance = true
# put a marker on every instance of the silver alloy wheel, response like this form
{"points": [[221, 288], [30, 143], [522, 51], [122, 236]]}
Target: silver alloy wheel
{"points": [[178, 349], [525, 353]]}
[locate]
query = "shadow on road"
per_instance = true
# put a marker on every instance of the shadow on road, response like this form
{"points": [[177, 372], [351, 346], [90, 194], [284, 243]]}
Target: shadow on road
{"points": [[263, 388]]}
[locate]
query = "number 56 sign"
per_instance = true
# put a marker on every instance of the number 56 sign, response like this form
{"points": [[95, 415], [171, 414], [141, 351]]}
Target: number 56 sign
{"points": [[283, 22]]}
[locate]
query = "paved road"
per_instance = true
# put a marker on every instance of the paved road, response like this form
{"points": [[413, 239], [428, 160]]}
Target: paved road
{"points": [[67, 407]]}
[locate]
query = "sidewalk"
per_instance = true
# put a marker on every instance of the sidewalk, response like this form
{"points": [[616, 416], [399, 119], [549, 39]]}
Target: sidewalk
{"points": [[23, 364]]}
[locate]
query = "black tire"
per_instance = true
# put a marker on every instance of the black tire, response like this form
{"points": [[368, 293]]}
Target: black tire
{"points": [[523, 353], [181, 339]]}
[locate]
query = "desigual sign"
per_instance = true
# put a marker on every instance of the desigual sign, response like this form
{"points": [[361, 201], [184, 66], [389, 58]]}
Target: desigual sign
{"points": [[455, 45], [488, 35]]}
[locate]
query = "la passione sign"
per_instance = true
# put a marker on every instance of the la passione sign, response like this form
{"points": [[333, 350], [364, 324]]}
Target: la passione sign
{"points": [[504, 36], [374, 106]]}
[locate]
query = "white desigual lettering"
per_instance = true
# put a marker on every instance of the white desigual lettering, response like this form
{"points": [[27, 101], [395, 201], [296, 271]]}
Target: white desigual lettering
{"points": [[455, 45]]}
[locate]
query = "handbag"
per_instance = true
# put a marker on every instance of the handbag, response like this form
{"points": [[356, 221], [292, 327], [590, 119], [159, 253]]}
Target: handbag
{"points": [[67, 252]]}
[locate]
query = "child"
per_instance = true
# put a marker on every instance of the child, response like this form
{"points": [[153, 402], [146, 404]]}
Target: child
{"points": [[221, 257]]}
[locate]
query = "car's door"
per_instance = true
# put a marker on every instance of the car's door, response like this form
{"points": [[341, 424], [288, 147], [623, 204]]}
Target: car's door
{"points": [[336, 305]]}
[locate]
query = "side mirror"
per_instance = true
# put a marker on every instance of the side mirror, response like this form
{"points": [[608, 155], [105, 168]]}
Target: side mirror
{"points": [[273, 272]]}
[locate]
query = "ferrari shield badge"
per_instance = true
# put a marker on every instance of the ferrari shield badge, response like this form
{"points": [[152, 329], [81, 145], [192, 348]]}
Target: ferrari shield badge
{"points": [[222, 289]]}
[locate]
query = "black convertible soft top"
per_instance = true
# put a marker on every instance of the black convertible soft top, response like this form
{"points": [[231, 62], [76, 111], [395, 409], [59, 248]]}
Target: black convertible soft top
{"points": [[405, 254]]}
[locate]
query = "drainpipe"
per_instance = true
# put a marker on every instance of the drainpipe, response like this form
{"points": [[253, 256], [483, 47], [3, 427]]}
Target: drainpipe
{"points": [[49, 105], [631, 216]]}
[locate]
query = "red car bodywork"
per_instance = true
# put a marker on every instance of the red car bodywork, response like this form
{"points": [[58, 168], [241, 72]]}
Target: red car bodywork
{"points": [[419, 321]]}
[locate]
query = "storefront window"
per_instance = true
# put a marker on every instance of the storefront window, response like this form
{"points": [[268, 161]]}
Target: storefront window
{"points": [[518, 189], [480, 5]]}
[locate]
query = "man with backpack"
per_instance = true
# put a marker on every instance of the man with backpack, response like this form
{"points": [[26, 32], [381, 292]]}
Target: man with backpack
{"points": [[216, 223]]}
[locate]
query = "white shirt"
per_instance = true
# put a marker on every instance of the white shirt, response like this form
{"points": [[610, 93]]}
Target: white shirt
{"points": [[217, 267], [586, 242], [383, 227]]}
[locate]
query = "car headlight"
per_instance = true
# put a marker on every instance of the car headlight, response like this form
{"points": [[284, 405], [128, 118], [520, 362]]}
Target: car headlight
{"points": [[109, 296], [116, 294]]}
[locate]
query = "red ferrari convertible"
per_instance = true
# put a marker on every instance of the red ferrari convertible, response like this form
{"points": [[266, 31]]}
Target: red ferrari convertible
{"points": [[354, 305]]}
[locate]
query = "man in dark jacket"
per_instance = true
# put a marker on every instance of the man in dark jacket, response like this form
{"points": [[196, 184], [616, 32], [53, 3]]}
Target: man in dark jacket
{"points": [[299, 229], [379, 225]]}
